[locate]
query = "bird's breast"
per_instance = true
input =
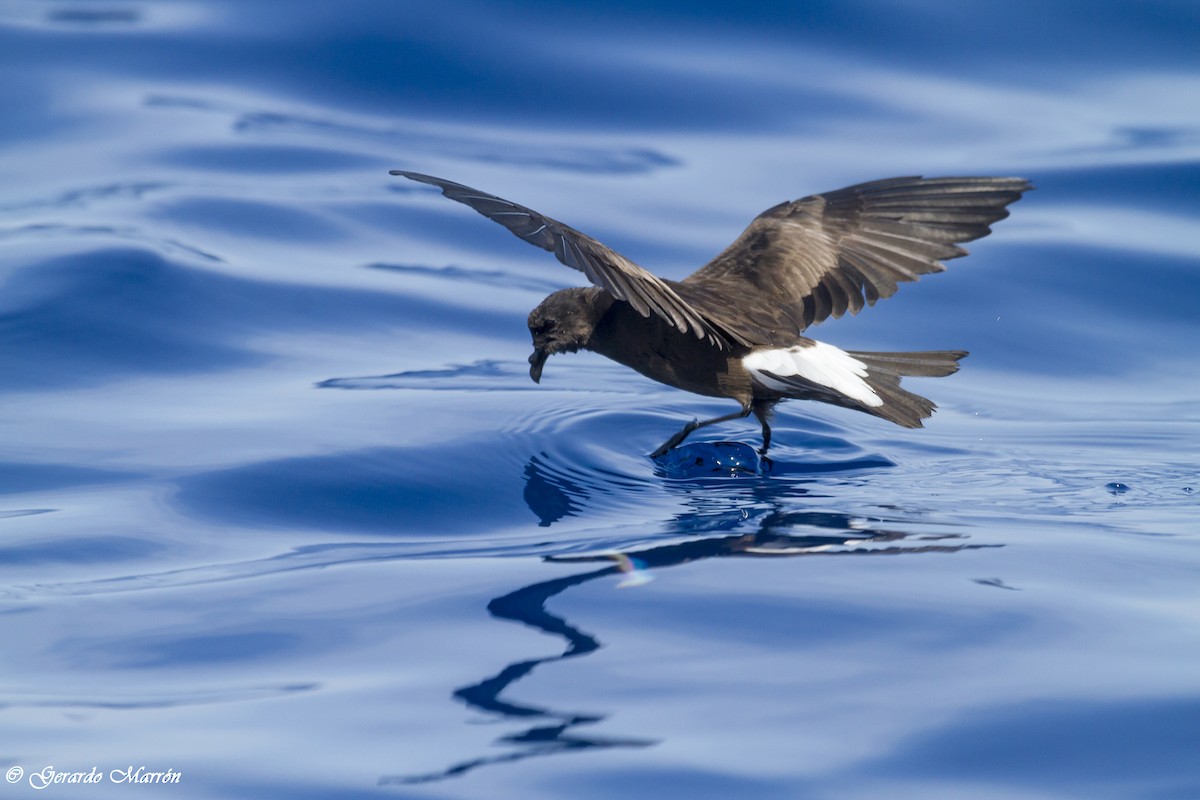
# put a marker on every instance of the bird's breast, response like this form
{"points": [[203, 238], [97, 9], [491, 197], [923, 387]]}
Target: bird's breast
{"points": [[657, 350]]}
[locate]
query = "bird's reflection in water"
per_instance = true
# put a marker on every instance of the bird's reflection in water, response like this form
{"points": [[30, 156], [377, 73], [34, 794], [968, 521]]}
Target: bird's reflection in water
{"points": [[555, 731], [777, 532]]}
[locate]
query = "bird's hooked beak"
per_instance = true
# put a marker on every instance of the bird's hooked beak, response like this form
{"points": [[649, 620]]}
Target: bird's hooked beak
{"points": [[536, 362]]}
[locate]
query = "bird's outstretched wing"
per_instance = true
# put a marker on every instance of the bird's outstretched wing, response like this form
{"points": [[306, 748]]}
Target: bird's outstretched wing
{"points": [[605, 268], [818, 257]]}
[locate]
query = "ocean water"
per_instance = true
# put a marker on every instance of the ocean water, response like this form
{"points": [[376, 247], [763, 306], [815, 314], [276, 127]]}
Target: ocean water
{"points": [[282, 515]]}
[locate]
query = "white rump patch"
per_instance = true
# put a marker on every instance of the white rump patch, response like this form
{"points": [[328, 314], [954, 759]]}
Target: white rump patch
{"points": [[818, 363]]}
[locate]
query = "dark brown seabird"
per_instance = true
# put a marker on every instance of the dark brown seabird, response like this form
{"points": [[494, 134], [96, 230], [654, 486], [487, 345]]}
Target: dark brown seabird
{"points": [[733, 328]]}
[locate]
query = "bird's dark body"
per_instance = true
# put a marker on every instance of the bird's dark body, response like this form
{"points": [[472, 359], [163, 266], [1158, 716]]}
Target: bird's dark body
{"points": [[660, 352], [733, 328]]}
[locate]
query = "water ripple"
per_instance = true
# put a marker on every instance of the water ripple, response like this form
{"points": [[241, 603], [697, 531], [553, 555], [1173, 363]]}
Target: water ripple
{"points": [[142, 699], [92, 195], [523, 148]]}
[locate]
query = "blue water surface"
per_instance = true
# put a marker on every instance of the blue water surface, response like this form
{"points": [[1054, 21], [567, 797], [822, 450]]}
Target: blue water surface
{"points": [[282, 515]]}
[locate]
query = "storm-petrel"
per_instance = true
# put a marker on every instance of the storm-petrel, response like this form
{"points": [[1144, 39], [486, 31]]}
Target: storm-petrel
{"points": [[733, 328]]}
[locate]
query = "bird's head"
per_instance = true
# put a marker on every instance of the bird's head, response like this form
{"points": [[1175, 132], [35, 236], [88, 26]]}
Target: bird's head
{"points": [[562, 323]]}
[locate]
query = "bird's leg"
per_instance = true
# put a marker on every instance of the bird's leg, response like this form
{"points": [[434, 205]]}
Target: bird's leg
{"points": [[762, 411], [693, 425]]}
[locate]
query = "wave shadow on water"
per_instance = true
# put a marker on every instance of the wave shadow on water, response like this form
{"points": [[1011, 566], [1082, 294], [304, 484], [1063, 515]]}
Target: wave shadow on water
{"points": [[423, 140], [480, 277], [483, 375], [103, 314], [149, 700], [87, 196]]}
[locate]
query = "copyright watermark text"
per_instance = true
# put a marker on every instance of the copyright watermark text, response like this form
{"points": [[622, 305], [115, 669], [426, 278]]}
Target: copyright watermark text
{"points": [[50, 776]]}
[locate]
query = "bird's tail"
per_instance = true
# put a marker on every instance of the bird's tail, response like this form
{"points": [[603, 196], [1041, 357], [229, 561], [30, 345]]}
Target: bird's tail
{"points": [[884, 371]]}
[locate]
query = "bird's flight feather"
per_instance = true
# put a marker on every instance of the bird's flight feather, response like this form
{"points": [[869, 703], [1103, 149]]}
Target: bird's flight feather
{"points": [[604, 267], [802, 262], [797, 263]]}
